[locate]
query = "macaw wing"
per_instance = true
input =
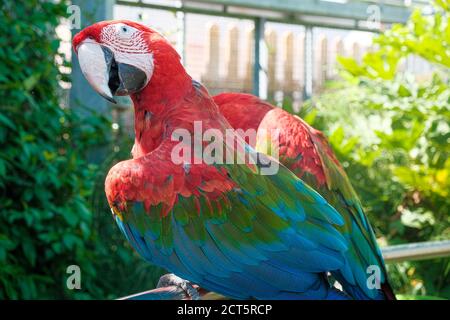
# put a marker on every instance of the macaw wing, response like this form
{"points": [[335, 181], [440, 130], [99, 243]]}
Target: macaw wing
{"points": [[307, 153], [362, 236], [269, 236]]}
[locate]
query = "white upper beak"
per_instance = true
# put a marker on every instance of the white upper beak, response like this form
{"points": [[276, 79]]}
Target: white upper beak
{"points": [[95, 68]]}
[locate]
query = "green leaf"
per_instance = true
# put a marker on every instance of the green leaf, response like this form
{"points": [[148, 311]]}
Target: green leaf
{"points": [[7, 122], [403, 91], [70, 240], [417, 297], [337, 137], [29, 250], [71, 217], [31, 82]]}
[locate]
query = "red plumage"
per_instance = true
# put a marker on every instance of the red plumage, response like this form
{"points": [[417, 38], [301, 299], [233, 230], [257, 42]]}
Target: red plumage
{"points": [[172, 101], [167, 103], [302, 149], [297, 139]]}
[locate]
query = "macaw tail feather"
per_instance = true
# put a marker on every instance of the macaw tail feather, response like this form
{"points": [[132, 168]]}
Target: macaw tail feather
{"points": [[388, 292], [335, 294], [385, 293]]}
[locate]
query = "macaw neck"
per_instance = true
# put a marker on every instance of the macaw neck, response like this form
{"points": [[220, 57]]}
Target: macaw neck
{"points": [[168, 102], [168, 85]]}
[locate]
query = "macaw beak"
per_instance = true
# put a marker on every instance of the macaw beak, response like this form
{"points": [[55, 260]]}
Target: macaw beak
{"points": [[107, 76]]}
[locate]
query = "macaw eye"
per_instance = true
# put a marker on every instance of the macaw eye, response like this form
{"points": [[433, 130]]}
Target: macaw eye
{"points": [[124, 31]]}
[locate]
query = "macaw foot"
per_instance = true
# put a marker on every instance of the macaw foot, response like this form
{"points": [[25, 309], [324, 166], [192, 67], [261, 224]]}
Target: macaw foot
{"points": [[185, 287]]}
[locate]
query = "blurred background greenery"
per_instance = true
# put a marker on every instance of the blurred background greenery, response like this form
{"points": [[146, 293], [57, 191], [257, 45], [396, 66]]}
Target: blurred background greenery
{"points": [[392, 133], [389, 129], [53, 211]]}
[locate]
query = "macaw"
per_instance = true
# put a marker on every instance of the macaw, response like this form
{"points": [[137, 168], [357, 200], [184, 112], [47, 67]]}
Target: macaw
{"points": [[227, 227], [307, 153]]}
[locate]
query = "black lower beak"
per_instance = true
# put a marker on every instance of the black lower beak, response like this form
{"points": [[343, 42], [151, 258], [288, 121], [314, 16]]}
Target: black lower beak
{"points": [[114, 80], [132, 79], [110, 62], [124, 79]]}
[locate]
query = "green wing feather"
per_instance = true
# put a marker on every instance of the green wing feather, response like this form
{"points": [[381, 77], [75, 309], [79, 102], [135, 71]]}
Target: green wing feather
{"points": [[272, 236], [298, 140]]}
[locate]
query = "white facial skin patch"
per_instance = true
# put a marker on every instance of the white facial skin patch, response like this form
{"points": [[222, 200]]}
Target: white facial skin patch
{"points": [[129, 47]]}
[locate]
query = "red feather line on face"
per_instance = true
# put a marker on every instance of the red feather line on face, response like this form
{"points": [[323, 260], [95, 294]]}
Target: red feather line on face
{"points": [[134, 44], [95, 31]]}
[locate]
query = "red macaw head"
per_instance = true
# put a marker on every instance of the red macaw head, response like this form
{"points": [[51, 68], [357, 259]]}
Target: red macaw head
{"points": [[119, 57]]}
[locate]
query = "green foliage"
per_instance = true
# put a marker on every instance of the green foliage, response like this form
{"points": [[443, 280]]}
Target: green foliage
{"points": [[47, 218], [392, 134], [123, 271], [425, 36]]}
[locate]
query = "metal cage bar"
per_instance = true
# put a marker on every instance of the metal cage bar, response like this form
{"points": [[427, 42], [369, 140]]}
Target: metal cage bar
{"points": [[416, 251]]}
